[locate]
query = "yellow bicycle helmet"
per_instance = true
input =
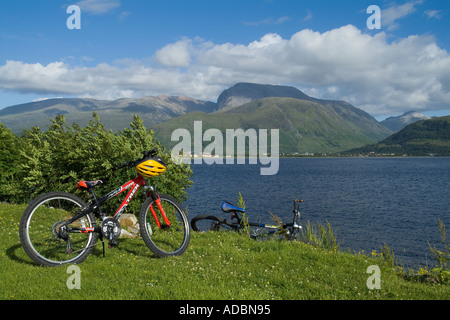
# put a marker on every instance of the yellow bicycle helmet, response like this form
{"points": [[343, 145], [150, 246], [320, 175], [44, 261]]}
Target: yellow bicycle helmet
{"points": [[151, 167]]}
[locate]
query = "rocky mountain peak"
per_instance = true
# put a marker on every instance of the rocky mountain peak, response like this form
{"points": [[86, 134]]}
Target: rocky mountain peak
{"points": [[242, 93], [399, 122]]}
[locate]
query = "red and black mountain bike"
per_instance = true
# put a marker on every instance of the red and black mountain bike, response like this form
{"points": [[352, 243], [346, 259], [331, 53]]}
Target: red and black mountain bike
{"points": [[58, 227]]}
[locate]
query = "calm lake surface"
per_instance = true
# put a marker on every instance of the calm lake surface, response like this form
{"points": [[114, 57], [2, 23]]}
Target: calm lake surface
{"points": [[368, 201]]}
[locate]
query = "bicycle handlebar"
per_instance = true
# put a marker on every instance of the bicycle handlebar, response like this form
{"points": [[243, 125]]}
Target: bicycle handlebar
{"points": [[126, 164], [295, 204], [150, 153], [145, 154]]}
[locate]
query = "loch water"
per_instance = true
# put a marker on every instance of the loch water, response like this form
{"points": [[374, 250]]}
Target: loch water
{"points": [[369, 202]]}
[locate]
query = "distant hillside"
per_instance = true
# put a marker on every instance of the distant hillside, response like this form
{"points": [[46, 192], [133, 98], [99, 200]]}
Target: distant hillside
{"points": [[398, 123], [417, 139], [114, 114], [305, 126]]}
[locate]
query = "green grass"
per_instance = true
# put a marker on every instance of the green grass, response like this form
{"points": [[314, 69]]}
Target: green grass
{"points": [[220, 266]]}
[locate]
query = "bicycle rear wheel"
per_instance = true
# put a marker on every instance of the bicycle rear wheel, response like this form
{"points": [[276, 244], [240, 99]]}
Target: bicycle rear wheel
{"points": [[204, 223], [164, 238], [46, 237]]}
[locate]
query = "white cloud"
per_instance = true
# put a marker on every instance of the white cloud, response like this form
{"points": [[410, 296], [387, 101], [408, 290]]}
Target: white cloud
{"points": [[175, 54], [433, 14], [124, 15], [268, 21], [46, 98], [98, 6], [308, 17], [390, 15], [366, 70]]}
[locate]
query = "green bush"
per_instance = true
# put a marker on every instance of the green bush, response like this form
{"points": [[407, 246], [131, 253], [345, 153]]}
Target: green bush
{"points": [[56, 159], [10, 146]]}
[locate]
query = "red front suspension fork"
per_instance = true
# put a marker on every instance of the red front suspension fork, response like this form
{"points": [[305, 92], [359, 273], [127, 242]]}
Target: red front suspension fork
{"points": [[158, 203]]}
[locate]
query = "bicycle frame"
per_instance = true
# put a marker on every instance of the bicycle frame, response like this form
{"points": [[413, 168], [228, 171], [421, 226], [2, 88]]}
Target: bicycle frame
{"points": [[294, 223], [134, 184], [239, 223]]}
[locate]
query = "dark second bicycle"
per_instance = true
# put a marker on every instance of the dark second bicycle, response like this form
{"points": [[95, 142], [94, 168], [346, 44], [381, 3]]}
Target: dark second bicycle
{"points": [[239, 222]]}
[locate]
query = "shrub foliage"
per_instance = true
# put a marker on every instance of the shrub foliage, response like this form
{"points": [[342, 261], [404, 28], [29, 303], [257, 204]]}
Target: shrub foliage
{"points": [[56, 159]]}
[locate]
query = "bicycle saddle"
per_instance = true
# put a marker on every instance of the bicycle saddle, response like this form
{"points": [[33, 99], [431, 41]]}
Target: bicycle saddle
{"points": [[228, 207], [87, 185]]}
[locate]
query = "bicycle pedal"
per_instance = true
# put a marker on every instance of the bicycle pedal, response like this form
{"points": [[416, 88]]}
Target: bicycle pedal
{"points": [[113, 243]]}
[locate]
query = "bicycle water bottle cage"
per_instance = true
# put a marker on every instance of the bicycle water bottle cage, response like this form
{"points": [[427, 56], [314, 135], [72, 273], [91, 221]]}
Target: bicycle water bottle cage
{"points": [[228, 207], [88, 185]]}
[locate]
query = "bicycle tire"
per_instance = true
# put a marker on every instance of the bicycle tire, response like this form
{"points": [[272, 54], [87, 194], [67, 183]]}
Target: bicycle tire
{"points": [[165, 240], [204, 223], [39, 230]]}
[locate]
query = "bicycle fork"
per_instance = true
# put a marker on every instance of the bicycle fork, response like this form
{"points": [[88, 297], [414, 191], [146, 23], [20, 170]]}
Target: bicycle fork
{"points": [[295, 223], [152, 193]]}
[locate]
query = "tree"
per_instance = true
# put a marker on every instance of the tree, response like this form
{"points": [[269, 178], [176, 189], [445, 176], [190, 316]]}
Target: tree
{"points": [[58, 158]]}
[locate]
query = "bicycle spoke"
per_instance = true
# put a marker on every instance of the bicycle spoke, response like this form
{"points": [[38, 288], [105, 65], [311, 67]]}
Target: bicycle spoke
{"points": [[46, 236]]}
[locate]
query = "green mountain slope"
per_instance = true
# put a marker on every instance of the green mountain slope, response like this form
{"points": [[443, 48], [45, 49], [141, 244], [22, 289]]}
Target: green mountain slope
{"points": [[417, 139], [305, 126]]}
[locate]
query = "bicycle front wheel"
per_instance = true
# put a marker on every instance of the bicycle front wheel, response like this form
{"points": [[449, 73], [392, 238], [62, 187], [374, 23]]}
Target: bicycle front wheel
{"points": [[45, 235], [164, 226]]}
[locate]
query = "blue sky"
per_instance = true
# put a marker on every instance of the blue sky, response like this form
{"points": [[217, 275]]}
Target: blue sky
{"points": [[135, 48]]}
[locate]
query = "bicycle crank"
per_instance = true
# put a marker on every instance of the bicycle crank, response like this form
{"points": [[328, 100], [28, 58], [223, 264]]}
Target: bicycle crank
{"points": [[111, 231]]}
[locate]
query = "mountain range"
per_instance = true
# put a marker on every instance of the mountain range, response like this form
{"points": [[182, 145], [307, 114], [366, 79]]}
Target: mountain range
{"points": [[306, 124], [116, 114]]}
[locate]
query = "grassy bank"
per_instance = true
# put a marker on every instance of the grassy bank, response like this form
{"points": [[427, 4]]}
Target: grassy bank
{"points": [[216, 266]]}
